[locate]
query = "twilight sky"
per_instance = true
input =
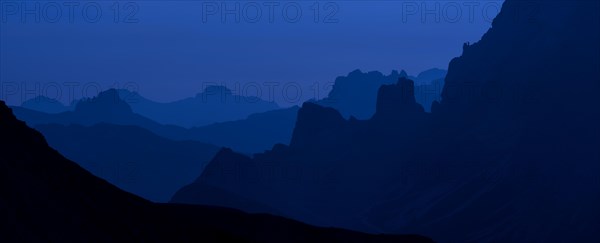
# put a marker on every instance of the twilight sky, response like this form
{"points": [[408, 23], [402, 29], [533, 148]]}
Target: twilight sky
{"points": [[172, 49]]}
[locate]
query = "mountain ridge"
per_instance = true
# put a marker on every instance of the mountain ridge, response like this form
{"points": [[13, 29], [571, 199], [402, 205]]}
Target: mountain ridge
{"points": [[214, 104]]}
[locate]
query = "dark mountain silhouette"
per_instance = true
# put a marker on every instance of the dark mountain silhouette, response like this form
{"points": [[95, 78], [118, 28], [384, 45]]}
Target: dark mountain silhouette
{"points": [[45, 197], [130, 157], [215, 104], [45, 104], [355, 95], [509, 154], [257, 133]]}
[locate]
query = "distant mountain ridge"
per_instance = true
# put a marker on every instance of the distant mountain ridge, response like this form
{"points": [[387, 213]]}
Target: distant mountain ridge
{"points": [[215, 104], [107, 107], [47, 105], [355, 94]]}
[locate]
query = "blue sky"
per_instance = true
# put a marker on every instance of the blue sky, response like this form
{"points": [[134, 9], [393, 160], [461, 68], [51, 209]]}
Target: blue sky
{"points": [[172, 49]]}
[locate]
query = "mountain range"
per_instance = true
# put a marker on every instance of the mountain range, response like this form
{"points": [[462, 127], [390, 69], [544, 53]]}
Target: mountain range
{"points": [[45, 197], [215, 104], [256, 133], [509, 154], [354, 95], [107, 107]]}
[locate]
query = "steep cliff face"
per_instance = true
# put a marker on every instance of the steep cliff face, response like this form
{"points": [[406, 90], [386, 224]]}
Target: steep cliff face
{"points": [[520, 127], [526, 93], [538, 55]]}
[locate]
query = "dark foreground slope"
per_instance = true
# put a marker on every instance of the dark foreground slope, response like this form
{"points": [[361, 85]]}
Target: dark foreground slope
{"points": [[509, 155], [47, 198], [132, 158]]}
